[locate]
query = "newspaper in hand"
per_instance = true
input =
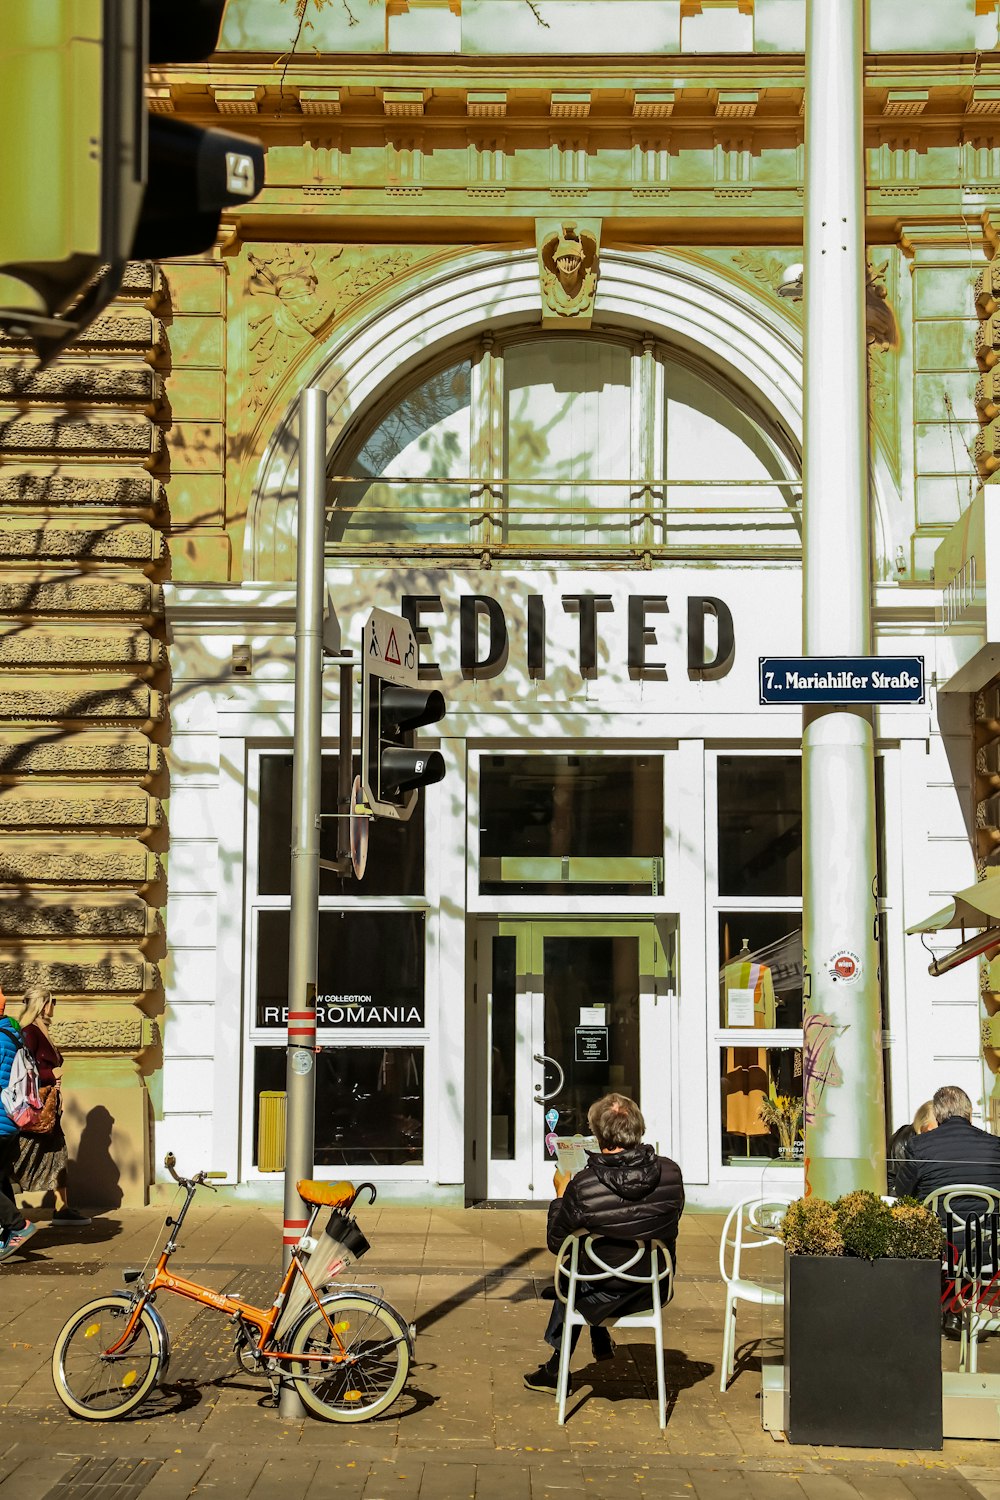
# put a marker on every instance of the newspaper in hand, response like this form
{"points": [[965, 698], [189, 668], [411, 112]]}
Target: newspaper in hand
{"points": [[571, 1151]]}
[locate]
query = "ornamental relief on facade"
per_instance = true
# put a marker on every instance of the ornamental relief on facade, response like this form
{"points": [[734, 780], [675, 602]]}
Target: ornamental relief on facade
{"points": [[294, 294], [568, 270]]}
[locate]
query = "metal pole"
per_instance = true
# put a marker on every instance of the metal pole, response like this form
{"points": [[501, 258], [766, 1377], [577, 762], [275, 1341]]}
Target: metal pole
{"points": [[300, 1084], [842, 1059], [345, 764]]}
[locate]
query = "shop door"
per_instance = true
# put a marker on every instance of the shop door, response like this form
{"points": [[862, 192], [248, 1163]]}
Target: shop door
{"points": [[572, 1010]]}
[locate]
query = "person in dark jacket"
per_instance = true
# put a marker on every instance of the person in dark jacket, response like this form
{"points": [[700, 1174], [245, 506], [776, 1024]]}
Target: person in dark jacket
{"points": [[14, 1228], [625, 1192], [956, 1152]]}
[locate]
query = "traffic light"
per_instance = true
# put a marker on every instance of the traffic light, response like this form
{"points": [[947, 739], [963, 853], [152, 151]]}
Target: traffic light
{"points": [[393, 708], [393, 769], [192, 174], [88, 180]]}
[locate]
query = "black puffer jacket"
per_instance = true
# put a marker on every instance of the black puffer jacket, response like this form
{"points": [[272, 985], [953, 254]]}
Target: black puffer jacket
{"points": [[626, 1195]]}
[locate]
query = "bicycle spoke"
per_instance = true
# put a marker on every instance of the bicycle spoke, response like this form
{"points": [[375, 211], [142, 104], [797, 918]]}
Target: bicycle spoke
{"points": [[94, 1383], [365, 1375]]}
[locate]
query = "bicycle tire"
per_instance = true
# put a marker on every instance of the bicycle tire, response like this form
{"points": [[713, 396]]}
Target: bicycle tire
{"points": [[99, 1389], [372, 1376]]}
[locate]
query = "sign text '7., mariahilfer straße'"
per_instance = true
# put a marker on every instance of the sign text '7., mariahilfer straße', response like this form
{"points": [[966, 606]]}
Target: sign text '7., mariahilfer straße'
{"points": [[841, 679]]}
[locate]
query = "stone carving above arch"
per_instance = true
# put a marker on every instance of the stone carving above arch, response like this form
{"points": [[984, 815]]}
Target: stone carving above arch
{"points": [[294, 292], [679, 297]]}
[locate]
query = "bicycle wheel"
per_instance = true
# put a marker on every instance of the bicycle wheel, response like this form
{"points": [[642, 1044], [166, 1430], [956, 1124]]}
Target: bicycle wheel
{"points": [[97, 1385], [361, 1368]]}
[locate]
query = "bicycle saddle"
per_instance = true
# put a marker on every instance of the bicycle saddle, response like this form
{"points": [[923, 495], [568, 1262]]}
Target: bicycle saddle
{"points": [[326, 1194]]}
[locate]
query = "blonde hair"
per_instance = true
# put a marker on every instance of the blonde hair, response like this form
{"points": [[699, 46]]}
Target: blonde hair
{"points": [[33, 1003], [924, 1117]]}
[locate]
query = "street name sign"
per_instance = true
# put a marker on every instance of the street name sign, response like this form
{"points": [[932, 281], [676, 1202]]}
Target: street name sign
{"points": [[841, 679]]}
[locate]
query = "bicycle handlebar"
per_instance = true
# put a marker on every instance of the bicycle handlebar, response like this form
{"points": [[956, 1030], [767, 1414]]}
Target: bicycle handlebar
{"points": [[198, 1180]]}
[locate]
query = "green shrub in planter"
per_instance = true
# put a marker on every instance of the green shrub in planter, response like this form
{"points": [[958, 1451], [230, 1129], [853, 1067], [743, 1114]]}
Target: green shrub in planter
{"points": [[863, 1322], [810, 1228]]}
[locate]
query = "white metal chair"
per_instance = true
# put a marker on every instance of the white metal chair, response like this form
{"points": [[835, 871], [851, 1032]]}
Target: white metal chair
{"points": [[659, 1280], [749, 1225], [978, 1316]]}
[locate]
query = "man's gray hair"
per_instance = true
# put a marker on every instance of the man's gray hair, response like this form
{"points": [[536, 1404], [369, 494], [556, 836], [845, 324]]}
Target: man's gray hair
{"points": [[952, 1103], [616, 1121]]}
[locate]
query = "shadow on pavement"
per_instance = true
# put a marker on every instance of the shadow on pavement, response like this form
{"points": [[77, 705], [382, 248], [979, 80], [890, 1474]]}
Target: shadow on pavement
{"points": [[618, 1381], [486, 1282], [34, 1257]]}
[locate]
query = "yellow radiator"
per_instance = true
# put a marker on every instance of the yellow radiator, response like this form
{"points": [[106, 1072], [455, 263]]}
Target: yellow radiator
{"points": [[271, 1131]]}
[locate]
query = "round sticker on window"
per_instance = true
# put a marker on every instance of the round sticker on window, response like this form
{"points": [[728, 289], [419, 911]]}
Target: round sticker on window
{"points": [[844, 967], [302, 1061]]}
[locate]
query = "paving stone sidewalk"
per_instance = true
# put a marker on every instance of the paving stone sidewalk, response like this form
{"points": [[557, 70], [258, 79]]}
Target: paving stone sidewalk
{"points": [[465, 1427]]}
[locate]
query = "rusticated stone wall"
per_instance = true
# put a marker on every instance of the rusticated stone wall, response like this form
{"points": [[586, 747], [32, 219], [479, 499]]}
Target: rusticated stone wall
{"points": [[84, 494]]}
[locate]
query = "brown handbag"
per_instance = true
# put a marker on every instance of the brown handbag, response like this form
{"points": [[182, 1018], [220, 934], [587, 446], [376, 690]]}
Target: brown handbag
{"points": [[48, 1119]]}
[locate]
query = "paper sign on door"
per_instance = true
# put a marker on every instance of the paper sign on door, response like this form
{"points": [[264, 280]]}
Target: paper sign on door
{"points": [[739, 1007]]}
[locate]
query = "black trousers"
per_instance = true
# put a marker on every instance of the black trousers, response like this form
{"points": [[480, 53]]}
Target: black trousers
{"points": [[595, 1308], [10, 1215]]}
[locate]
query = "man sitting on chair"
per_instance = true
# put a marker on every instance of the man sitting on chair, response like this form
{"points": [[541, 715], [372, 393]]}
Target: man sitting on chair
{"points": [[956, 1152], [625, 1192]]}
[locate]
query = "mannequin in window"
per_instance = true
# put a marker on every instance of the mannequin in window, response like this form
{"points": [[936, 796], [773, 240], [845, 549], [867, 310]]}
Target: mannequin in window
{"points": [[753, 985], [749, 997]]}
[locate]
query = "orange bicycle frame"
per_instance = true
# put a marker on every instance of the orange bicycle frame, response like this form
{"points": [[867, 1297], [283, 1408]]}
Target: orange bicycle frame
{"points": [[264, 1319]]}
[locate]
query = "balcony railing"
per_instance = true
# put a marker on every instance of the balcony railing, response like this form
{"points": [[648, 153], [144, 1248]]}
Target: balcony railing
{"points": [[623, 518]]}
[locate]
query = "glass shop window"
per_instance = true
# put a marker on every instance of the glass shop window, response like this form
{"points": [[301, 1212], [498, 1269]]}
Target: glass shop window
{"points": [[395, 850], [760, 972], [398, 487], [369, 1105], [371, 969], [567, 417], [760, 825], [571, 824], [503, 1049], [761, 1104]]}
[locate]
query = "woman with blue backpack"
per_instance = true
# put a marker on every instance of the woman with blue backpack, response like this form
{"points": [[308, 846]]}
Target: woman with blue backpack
{"points": [[14, 1228]]}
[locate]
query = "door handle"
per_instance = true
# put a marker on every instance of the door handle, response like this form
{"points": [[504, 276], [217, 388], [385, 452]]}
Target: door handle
{"points": [[541, 1098]]}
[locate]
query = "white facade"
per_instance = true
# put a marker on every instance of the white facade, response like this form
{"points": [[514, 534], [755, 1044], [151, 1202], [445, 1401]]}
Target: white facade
{"points": [[667, 710]]}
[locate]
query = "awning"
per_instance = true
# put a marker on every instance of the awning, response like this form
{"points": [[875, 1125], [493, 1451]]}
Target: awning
{"points": [[977, 906]]}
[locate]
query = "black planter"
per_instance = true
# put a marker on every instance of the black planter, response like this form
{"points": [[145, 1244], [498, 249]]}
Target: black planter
{"points": [[863, 1351]]}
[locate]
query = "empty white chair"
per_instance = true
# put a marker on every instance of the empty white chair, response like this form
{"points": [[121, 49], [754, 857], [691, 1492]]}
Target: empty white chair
{"points": [[749, 1225], [978, 1298], [659, 1280]]}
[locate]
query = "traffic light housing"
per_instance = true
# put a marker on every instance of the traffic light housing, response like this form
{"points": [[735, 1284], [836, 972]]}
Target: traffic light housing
{"points": [[88, 180], [393, 769], [192, 174]]}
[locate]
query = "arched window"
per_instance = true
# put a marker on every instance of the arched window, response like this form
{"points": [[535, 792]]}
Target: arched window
{"points": [[567, 443]]}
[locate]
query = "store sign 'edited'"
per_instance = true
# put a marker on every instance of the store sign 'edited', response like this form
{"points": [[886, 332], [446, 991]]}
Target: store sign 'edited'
{"points": [[485, 632]]}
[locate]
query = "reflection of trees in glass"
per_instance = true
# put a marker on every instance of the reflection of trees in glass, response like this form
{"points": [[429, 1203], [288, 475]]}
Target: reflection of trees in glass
{"points": [[572, 434], [425, 436], [567, 417], [708, 437]]}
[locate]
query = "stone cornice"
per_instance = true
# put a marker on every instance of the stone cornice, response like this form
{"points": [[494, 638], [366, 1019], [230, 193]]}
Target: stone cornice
{"points": [[953, 84]]}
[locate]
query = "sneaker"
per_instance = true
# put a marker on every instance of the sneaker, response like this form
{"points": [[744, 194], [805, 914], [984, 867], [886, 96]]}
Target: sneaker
{"points": [[545, 1378], [70, 1217], [602, 1347], [16, 1239]]}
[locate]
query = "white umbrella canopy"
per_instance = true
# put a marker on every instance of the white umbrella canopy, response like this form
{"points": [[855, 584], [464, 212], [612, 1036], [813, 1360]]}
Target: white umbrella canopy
{"points": [[977, 906]]}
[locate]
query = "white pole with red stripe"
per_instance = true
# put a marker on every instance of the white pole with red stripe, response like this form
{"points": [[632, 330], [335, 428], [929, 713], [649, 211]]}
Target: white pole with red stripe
{"points": [[303, 952]]}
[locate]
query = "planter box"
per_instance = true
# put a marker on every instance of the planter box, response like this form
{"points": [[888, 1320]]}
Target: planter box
{"points": [[863, 1351]]}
